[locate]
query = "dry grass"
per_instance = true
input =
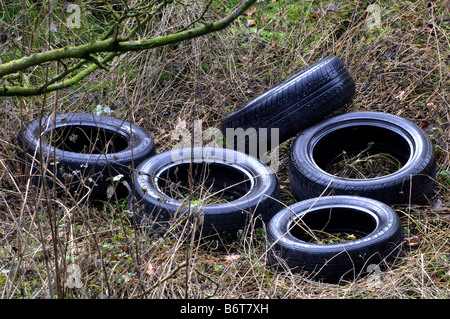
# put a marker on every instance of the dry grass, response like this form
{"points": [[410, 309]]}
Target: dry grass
{"points": [[401, 68]]}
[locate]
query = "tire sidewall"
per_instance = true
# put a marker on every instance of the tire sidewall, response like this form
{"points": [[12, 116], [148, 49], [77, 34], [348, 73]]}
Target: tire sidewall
{"points": [[387, 226], [292, 105], [333, 262], [95, 171], [301, 159], [333, 60], [265, 186], [141, 144]]}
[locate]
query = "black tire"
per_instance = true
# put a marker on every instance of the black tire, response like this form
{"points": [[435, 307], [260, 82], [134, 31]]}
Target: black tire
{"points": [[252, 190], [317, 147], [66, 140], [296, 103], [290, 247]]}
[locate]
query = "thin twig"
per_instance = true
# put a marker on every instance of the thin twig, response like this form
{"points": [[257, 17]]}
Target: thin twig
{"points": [[164, 279]]}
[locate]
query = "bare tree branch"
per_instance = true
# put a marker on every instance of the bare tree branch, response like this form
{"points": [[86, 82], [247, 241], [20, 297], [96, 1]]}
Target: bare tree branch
{"points": [[114, 46]]}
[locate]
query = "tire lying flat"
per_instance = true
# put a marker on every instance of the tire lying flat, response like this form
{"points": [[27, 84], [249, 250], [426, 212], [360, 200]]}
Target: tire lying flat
{"points": [[251, 190], [290, 247], [294, 104], [73, 160], [316, 147]]}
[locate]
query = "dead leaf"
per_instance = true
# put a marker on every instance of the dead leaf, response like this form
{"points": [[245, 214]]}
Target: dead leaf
{"points": [[432, 105], [179, 123], [244, 59], [424, 124], [316, 14], [150, 271], [251, 12], [232, 257], [413, 240], [400, 95], [251, 23]]}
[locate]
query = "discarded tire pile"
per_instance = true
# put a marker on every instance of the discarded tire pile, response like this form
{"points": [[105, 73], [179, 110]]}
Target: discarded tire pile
{"points": [[344, 171]]}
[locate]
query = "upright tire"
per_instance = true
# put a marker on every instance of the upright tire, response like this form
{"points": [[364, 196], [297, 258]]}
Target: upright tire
{"points": [[291, 246], [296, 103], [230, 190], [346, 136], [83, 152]]}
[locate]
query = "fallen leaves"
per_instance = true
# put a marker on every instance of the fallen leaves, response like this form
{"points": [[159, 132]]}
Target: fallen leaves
{"points": [[180, 123], [413, 241], [400, 96], [232, 257], [150, 271], [251, 12], [250, 23]]}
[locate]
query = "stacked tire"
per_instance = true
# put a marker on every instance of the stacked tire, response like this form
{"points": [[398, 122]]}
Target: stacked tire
{"points": [[315, 149], [329, 202], [82, 153], [291, 106], [335, 204]]}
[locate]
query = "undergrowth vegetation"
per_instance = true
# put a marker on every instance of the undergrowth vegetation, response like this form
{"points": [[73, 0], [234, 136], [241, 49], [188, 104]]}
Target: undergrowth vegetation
{"points": [[65, 247]]}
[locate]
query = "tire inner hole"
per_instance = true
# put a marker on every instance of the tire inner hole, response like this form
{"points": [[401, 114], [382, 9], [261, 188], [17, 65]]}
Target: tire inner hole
{"points": [[211, 183], [87, 140], [333, 225], [360, 152]]}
